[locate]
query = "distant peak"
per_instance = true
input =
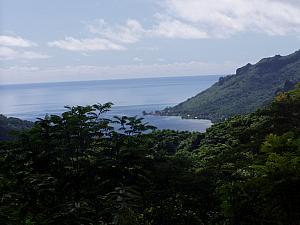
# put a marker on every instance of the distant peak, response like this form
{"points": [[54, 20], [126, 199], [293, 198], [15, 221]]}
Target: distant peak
{"points": [[243, 69], [271, 63]]}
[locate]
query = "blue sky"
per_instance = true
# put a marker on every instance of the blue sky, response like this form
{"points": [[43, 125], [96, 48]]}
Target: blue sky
{"points": [[50, 41]]}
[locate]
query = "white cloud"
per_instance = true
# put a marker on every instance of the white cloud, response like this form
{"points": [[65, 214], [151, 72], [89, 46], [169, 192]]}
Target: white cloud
{"points": [[172, 28], [15, 41], [12, 54], [138, 59], [84, 45], [129, 33], [132, 31], [222, 18], [10, 49]]}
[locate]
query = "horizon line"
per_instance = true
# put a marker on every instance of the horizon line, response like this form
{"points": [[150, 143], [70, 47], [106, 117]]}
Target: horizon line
{"points": [[115, 79]]}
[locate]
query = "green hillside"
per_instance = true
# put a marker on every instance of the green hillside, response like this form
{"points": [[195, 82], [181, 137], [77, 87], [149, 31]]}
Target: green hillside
{"points": [[252, 86], [9, 125]]}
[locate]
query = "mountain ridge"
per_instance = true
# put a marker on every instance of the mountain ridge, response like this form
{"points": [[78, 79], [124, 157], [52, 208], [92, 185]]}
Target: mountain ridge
{"points": [[253, 86]]}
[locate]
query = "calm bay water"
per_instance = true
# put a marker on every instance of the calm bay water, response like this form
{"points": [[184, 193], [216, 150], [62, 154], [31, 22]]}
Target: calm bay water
{"points": [[130, 97]]}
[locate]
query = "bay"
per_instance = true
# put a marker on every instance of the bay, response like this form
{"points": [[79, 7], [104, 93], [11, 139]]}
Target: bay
{"points": [[130, 97]]}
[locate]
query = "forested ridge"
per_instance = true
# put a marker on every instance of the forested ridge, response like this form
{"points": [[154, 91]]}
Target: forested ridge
{"points": [[252, 87], [80, 168]]}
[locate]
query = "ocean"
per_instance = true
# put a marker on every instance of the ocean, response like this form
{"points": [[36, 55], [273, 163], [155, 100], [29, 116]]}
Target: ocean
{"points": [[130, 97]]}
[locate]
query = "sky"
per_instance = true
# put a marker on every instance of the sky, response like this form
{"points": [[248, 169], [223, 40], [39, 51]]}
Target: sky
{"points": [[53, 41]]}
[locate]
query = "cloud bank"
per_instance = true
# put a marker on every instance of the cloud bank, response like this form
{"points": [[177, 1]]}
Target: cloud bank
{"points": [[15, 41], [223, 18], [92, 44], [12, 54], [193, 19], [10, 49], [91, 72]]}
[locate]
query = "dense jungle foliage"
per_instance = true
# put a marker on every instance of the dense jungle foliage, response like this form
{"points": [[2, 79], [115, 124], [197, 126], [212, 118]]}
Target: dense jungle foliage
{"points": [[80, 168]]}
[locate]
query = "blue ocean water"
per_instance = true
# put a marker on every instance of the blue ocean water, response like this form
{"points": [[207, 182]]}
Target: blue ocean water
{"points": [[130, 97]]}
